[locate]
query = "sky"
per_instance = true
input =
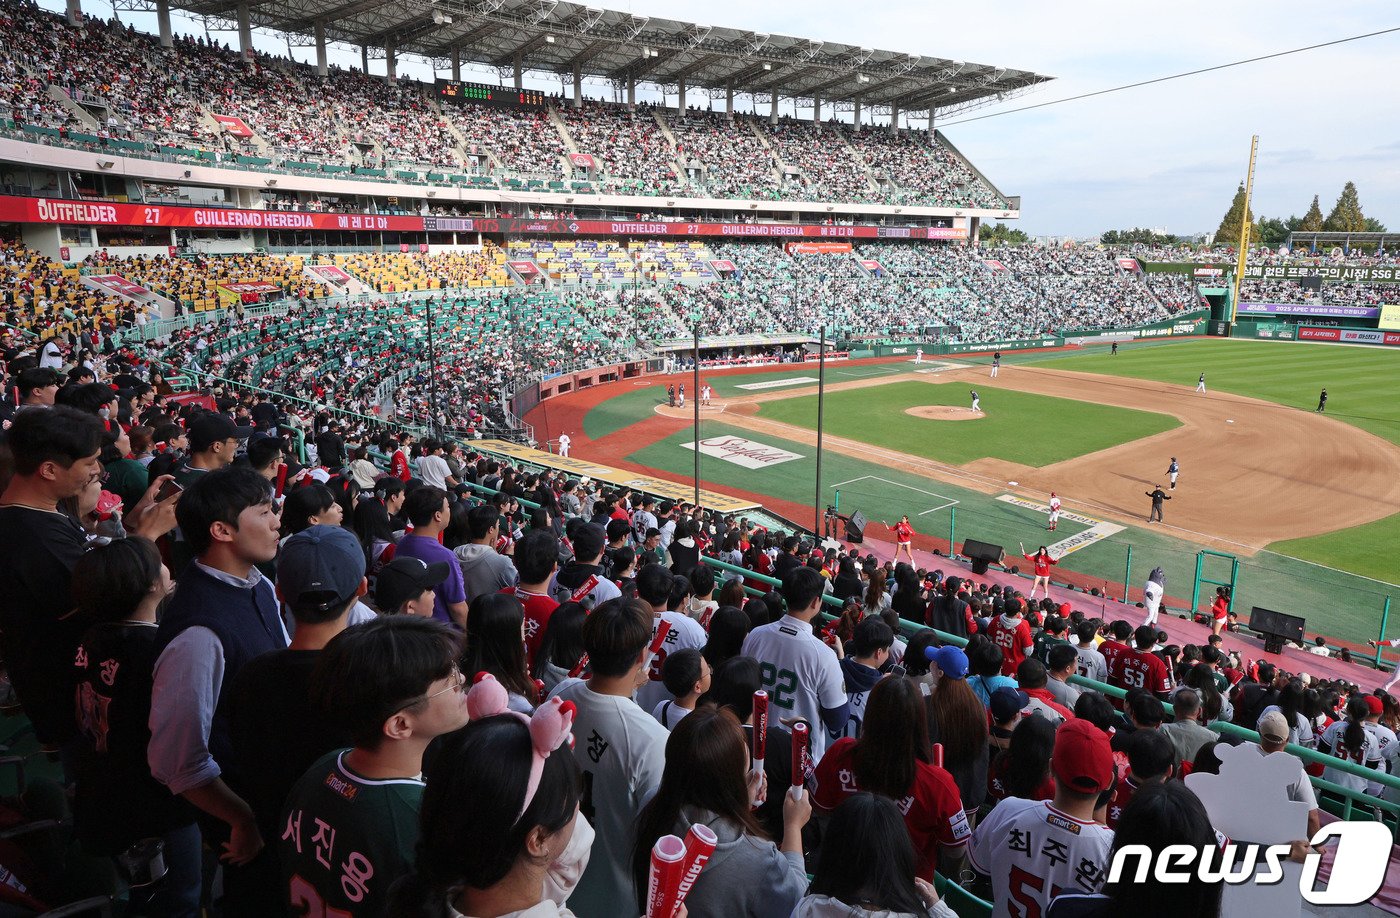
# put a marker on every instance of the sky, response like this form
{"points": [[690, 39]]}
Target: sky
{"points": [[1167, 156]]}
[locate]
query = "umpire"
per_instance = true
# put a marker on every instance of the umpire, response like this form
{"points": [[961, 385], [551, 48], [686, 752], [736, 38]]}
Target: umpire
{"points": [[1157, 495]]}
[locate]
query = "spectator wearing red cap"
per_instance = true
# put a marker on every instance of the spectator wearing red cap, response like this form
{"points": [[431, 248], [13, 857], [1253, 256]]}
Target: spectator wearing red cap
{"points": [[1034, 849], [1387, 749], [1151, 760]]}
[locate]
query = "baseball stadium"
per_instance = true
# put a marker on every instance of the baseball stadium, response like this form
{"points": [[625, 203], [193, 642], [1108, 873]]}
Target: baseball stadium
{"points": [[520, 458]]}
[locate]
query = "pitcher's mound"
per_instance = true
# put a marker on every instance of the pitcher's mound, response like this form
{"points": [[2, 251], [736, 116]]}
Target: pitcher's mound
{"points": [[944, 413], [688, 412]]}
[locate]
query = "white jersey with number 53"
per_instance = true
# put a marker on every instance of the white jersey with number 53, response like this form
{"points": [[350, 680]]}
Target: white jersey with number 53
{"points": [[800, 674]]}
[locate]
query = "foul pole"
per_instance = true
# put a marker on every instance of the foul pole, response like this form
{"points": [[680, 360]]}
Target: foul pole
{"points": [[1244, 230]]}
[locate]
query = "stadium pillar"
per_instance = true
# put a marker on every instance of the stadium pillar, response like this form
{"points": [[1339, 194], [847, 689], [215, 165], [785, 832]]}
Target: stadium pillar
{"points": [[578, 85], [320, 31], [894, 118], [390, 68], [856, 120], [364, 59], [773, 112], [456, 65], [631, 93], [74, 12], [817, 108], [519, 71], [680, 94], [245, 30], [931, 127], [729, 98], [167, 37]]}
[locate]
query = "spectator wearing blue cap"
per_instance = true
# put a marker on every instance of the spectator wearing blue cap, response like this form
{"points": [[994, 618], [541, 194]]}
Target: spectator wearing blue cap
{"points": [[276, 733], [958, 721]]}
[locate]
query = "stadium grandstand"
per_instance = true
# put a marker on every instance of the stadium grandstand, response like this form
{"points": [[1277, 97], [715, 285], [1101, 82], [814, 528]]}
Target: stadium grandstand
{"points": [[280, 332]]}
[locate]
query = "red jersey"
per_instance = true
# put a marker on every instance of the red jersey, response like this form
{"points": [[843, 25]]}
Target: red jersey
{"points": [[1042, 563], [903, 532], [398, 466], [933, 811], [1013, 636], [538, 609], [1140, 669], [1113, 652], [1220, 608], [1126, 788]]}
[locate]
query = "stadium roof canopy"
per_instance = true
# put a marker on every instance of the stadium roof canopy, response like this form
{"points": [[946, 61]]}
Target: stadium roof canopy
{"points": [[555, 36]]}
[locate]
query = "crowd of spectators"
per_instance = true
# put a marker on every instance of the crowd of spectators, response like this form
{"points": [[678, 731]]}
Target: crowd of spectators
{"points": [[628, 147], [338, 704]]}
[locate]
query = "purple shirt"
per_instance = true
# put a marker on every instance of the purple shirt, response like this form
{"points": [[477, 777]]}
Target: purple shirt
{"points": [[429, 551]]}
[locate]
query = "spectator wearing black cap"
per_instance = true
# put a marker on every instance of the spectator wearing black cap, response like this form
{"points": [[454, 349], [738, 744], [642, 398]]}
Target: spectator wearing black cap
{"points": [[276, 733], [405, 586], [223, 615], [214, 439]]}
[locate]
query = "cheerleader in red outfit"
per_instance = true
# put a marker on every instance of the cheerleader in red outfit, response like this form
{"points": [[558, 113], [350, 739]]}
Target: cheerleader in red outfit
{"points": [[1042, 562], [1220, 610], [903, 537]]}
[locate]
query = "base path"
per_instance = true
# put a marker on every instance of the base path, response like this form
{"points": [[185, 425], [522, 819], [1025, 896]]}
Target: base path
{"points": [[1252, 472]]}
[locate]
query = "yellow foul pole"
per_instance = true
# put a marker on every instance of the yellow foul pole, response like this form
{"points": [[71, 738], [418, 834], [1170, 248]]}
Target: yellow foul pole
{"points": [[1244, 230]]}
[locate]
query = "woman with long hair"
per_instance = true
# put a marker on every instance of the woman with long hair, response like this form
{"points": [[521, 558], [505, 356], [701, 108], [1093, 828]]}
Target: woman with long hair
{"points": [[707, 782], [1157, 816], [562, 645], [1350, 740], [910, 601], [1041, 562], [756, 559], [876, 596], [865, 868], [728, 628], [732, 593], [1292, 704], [495, 840], [1023, 768], [496, 645], [307, 506], [1220, 614], [958, 721], [948, 613], [847, 583], [894, 758]]}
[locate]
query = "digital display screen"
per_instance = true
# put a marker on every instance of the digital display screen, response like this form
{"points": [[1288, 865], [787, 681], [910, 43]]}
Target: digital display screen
{"points": [[484, 94]]}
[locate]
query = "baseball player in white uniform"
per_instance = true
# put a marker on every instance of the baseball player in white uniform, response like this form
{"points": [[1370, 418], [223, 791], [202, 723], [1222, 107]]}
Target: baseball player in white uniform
{"points": [[1395, 675], [919, 355], [705, 393], [1201, 383], [564, 442], [1054, 512], [1173, 470], [680, 399], [976, 401]]}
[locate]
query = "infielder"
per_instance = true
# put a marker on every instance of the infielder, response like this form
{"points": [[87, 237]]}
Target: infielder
{"points": [[1054, 512], [996, 364], [976, 400], [705, 393], [1173, 470], [1394, 676], [1152, 594], [903, 537], [919, 355], [564, 442], [680, 397], [1201, 383]]}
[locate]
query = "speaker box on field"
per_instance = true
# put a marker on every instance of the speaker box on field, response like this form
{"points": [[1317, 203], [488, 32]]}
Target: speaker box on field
{"points": [[855, 528], [982, 554], [1276, 627]]}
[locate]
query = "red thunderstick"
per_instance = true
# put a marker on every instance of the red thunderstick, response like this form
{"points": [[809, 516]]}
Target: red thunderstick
{"points": [[801, 757], [668, 857]]}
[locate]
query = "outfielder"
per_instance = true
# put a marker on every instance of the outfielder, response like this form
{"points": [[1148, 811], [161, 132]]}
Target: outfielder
{"points": [[903, 537], [1152, 594], [976, 401], [1173, 470], [564, 442], [1054, 512]]}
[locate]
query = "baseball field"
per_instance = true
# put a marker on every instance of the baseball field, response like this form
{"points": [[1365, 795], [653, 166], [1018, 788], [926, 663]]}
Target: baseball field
{"points": [[1308, 503]]}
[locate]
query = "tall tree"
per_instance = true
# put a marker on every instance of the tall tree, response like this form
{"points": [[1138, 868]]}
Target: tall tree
{"points": [[1374, 226], [1346, 215], [1312, 220], [1235, 217]]}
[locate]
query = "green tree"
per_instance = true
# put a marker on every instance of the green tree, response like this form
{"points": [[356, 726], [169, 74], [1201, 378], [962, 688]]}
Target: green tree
{"points": [[1312, 220], [1235, 217], [1274, 232], [1346, 215], [1138, 235], [1001, 234], [1375, 226]]}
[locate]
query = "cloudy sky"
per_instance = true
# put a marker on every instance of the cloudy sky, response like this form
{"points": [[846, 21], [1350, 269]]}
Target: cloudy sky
{"points": [[1166, 156]]}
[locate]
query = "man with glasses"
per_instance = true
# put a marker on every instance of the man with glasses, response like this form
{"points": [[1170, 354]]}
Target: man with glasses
{"points": [[350, 825]]}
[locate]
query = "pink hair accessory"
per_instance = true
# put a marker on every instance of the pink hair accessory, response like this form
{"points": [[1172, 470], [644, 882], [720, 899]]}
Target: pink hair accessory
{"points": [[550, 727]]}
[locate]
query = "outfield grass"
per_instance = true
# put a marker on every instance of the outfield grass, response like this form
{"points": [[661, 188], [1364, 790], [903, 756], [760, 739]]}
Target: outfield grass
{"points": [[1363, 384], [1372, 550], [622, 411], [1018, 426]]}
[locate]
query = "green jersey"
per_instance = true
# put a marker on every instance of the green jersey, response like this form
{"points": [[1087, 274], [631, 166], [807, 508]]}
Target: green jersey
{"points": [[346, 839]]}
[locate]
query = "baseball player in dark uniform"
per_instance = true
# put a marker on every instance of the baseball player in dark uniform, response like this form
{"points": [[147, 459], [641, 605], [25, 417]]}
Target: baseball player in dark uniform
{"points": [[1157, 495], [671, 396], [1322, 401], [1173, 470]]}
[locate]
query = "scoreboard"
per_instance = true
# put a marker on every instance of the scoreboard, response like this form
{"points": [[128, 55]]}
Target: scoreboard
{"points": [[483, 94]]}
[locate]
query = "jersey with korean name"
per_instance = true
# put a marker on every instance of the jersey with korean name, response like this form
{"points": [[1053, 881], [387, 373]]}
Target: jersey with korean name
{"points": [[1140, 669], [685, 632], [346, 838], [800, 673], [1033, 852]]}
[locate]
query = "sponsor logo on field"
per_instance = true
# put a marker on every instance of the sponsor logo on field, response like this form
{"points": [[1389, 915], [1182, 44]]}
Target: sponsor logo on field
{"points": [[748, 453], [1098, 530], [778, 383]]}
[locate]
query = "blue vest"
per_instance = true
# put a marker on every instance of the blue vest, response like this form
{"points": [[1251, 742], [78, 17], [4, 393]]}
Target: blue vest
{"points": [[246, 623]]}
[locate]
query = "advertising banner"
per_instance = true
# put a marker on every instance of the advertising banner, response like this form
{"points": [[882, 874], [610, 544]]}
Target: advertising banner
{"points": [[331, 274], [581, 160], [523, 226], [119, 285], [1326, 272], [1209, 272], [1390, 317], [234, 125], [871, 266], [995, 265], [525, 269], [819, 248], [1129, 264], [1310, 309], [1349, 335], [723, 265]]}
